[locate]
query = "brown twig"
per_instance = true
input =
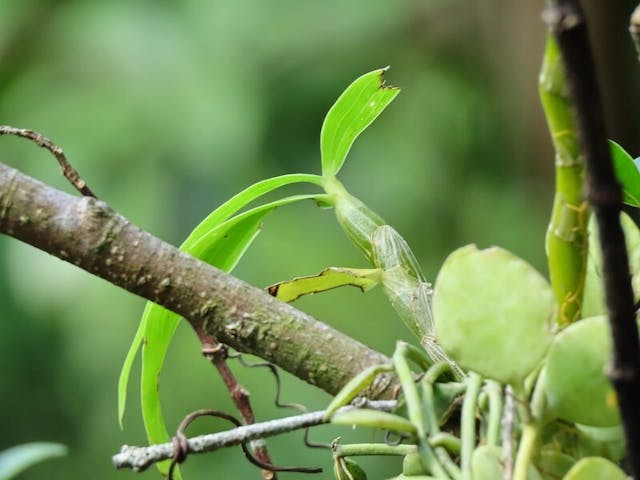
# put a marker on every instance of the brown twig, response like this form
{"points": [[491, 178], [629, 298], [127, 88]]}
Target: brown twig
{"points": [[86, 232], [566, 20], [68, 171], [217, 354]]}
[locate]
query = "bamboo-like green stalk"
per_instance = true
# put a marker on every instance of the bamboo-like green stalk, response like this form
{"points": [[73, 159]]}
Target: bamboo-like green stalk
{"points": [[567, 238]]}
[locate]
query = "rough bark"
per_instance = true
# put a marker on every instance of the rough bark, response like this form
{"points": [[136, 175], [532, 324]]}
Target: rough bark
{"points": [[89, 234]]}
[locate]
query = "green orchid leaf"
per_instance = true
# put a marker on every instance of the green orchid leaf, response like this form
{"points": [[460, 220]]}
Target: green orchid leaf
{"points": [[595, 468], [221, 246], [355, 110], [332, 277], [487, 304], [215, 218], [576, 384], [15, 460], [205, 236], [627, 173], [242, 199], [593, 302]]}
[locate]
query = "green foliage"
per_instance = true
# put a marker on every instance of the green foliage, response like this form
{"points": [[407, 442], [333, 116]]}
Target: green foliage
{"points": [[494, 315], [486, 463], [627, 174], [472, 311], [595, 468], [220, 241], [332, 277], [494, 321], [593, 292], [232, 107], [353, 112], [15, 460], [577, 387]]}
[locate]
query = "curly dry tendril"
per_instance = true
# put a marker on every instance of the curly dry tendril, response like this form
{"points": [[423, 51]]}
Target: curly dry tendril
{"points": [[67, 170], [181, 445], [277, 401]]}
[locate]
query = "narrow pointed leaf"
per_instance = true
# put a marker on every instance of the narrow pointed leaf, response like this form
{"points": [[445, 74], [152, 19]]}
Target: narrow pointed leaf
{"points": [[15, 460], [594, 303], [242, 199], [199, 235], [222, 246], [332, 277], [627, 173], [355, 109]]}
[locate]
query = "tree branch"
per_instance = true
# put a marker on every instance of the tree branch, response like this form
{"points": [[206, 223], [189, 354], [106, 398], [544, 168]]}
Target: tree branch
{"points": [[140, 458], [566, 20], [89, 234]]}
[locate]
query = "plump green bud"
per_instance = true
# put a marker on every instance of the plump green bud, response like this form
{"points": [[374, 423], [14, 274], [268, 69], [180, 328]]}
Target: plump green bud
{"points": [[358, 221]]}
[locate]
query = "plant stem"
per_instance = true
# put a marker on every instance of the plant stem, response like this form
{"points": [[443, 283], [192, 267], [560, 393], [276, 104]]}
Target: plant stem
{"points": [[433, 427], [468, 424], [446, 440], [414, 407], [366, 449], [567, 237], [526, 449]]}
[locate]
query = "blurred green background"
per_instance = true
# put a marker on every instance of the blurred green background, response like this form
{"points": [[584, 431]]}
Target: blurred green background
{"points": [[168, 108]]}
